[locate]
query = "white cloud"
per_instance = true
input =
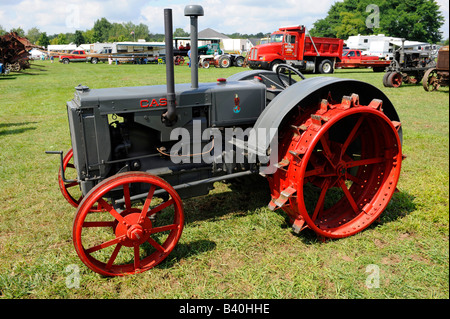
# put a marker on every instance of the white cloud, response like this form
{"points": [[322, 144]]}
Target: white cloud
{"points": [[243, 16]]}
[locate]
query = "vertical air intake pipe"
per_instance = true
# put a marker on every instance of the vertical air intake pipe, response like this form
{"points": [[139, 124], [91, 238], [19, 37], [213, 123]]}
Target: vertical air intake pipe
{"points": [[194, 11], [170, 117]]}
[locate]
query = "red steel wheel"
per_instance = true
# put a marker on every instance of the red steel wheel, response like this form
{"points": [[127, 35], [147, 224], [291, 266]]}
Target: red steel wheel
{"points": [[339, 169], [117, 242], [70, 191]]}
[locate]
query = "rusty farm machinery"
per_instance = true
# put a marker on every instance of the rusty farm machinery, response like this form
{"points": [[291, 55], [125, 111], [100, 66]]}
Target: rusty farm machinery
{"points": [[330, 149], [438, 76], [14, 55]]}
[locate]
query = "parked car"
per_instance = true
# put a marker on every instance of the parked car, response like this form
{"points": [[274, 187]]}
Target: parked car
{"points": [[74, 56]]}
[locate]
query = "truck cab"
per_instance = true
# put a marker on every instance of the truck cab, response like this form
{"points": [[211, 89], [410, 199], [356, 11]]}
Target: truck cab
{"points": [[293, 46]]}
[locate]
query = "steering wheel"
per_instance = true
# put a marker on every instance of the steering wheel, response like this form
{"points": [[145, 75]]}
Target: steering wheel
{"points": [[289, 68]]}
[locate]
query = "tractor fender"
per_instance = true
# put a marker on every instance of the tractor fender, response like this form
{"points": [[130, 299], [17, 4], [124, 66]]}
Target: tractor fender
{"points": [[310, 91]]}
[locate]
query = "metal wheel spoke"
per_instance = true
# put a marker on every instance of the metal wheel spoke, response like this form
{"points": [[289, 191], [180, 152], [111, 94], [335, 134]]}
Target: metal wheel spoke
{"points": [[368, 161], [137, 259], [144, 211], [351, 136], [314, 172], [161, 206], [111, 210], [354, 179], [326, 149], [320, 202], [104, 245], [98, 224], [348, 195], [126, 195], [113, 256], [68, 185], [155, 244], [163, 228]]}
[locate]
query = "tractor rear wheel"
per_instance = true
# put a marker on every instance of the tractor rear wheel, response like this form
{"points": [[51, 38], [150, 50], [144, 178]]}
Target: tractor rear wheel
{"points": [[339, 167], [430, 80], [132, 233], [224, 61]]}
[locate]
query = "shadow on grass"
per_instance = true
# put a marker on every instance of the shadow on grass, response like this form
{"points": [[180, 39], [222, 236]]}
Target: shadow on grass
{"points": [[253, 193], [186, 250], [399, 207], [246, 195], [16, 130]]}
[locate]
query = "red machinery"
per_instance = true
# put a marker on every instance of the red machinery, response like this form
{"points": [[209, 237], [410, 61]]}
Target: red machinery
{"points": [[292, 46], [330, 148], [352, 59]]}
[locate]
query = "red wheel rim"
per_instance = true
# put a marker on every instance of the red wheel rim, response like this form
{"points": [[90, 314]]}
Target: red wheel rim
{"points": [[70, 191], [396, 79], [137, 238], [343, 171]]}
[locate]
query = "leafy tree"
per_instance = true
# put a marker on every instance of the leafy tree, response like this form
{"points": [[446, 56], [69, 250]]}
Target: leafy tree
{"points": [[20, 32], [179, 32], [33, 34], [79, 39], [60, 39], [43, 40], [418, 20], [2, 31], [101, 30]]}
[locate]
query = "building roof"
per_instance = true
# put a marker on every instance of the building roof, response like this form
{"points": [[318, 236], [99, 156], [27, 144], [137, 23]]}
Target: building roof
{"points": [[210, 33]]}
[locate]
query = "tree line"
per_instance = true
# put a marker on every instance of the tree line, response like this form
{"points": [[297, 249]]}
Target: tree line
{"points": [[418, 20]]}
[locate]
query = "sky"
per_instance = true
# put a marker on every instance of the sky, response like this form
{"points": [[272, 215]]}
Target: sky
{"points": [[229, 16]]}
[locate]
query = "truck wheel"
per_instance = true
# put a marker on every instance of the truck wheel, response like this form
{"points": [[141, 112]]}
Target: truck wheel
{"points": [[94, 61], [132, 239], [239, 62], [326, 67], [66, 61], [274, 65], [224, 62]]}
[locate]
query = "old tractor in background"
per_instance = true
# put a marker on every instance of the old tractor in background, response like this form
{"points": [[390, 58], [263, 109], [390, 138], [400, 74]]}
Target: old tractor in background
{"points": [[330, 149], [438, 76], [408, 66], [213, 54]]}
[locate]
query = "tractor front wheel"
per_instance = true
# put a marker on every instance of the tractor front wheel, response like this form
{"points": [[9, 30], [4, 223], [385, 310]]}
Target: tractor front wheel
{"points": [[134, 231]]}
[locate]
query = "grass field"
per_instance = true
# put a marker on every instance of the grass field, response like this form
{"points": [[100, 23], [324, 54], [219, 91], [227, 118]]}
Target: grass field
{"points": [[232, 246]]}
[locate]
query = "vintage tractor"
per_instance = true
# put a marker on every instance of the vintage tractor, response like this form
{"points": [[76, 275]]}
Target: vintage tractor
{"points": [[408, 66], [330, 149], [438, 76]]}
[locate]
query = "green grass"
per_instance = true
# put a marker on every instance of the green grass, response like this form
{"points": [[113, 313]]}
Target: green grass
{"points": [[232, 245]]}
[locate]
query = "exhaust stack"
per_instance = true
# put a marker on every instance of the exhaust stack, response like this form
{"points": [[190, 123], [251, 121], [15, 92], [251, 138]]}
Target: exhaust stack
{"points": [[194, 11], [170, 117]]}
